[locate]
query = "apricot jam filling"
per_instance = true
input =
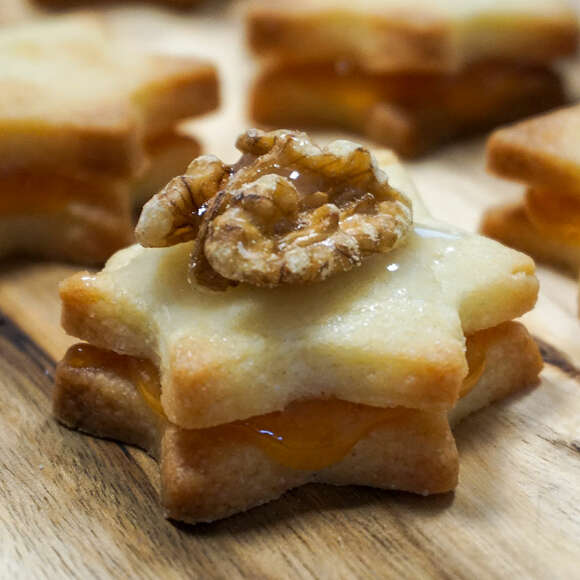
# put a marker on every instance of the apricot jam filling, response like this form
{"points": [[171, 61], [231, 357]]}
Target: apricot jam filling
{"points": [[92, 358], [354, 90], [476, 347], [140, 372], [25, 192], [307, 435], [555, 214], [313, 434]]}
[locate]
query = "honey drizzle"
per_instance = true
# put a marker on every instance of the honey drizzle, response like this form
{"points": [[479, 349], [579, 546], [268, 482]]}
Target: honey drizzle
{"points": [[306, 435]]}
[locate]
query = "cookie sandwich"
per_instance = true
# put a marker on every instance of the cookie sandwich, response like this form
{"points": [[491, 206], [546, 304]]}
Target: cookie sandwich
{"points": [[294, 317], [408, 75], [543, 153]]}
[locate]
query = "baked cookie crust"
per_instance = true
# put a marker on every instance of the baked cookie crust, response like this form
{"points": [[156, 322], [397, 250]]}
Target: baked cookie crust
{"points": [[510, 225]]}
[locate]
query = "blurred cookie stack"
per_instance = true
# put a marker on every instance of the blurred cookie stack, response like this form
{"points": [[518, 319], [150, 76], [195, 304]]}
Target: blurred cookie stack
{"points": [[543, 153], [87, 126], [409, 75]]}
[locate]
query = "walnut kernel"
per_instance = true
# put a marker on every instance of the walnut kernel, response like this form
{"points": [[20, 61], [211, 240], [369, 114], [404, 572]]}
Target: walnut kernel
{"points": [[287, 212]]}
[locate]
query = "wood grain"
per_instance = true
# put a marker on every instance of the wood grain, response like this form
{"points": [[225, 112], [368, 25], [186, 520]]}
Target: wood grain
{"points": [[77, 507]]}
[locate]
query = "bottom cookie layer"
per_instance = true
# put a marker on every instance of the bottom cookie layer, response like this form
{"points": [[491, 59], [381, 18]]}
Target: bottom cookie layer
{"points": [[510, 225]]}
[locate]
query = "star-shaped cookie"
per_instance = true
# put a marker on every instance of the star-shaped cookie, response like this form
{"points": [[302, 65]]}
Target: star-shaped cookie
{"points": [[246, 393]]}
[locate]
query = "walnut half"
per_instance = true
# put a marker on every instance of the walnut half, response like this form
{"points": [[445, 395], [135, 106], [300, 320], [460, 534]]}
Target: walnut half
{"points": [[288, 212]]}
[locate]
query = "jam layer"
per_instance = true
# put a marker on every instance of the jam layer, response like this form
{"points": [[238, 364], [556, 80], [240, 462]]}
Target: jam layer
{"points": [[554, 214], [141, 373], [36, 192], [307, 435], [342, 94]]}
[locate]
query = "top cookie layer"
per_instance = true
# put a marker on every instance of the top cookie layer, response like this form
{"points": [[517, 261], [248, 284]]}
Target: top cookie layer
{"points": [[389, 333], [74, 99], [411, 36], [543, 152]]}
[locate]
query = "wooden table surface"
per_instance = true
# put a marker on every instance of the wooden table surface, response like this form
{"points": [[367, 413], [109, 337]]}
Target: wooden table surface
{"points": [[74, 506]]}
